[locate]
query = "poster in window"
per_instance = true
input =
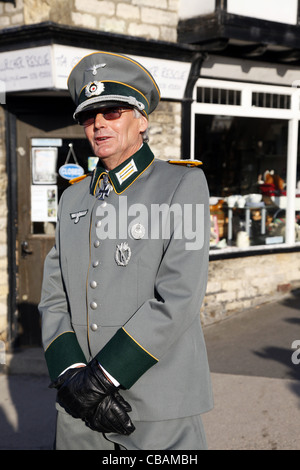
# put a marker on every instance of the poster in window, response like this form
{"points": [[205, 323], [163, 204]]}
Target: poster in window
{"points": [[43, 203], [44, 160]]}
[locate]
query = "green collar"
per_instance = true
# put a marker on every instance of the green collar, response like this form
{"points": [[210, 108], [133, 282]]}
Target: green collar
{"points": [[125, 174]]}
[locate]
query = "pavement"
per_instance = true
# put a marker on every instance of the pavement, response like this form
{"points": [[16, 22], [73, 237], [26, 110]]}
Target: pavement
{"points": [[253, 358]]}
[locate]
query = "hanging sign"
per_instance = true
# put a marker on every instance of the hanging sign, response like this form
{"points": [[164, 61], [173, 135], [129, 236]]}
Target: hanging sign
{"points": [[71, 170]]}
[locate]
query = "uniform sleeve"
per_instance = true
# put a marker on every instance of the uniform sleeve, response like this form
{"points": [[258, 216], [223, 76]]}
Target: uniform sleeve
{"points": [[58, 337], [180, 287]]}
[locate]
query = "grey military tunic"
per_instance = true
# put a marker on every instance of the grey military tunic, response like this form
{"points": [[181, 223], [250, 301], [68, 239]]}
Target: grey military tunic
{"points": [[125, 282]]}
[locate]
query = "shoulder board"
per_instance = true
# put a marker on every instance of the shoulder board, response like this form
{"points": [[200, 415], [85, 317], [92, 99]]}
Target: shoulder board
{"points": [[190, 163], [79, 178]]}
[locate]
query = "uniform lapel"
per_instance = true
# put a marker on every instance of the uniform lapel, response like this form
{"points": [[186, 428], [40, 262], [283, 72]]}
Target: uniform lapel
{"points": [[125, 174]]}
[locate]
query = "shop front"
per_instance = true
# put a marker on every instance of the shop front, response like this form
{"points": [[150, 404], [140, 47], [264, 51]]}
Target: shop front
{"points": [[246, 134], [244, 128], [45, 148]]}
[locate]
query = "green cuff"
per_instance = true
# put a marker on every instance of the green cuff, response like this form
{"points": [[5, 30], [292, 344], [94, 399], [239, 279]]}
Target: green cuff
{"points": [[62, 353], [125, 359]]}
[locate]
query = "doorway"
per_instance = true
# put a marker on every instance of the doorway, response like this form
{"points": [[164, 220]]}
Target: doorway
{"points": [[45, 133]]}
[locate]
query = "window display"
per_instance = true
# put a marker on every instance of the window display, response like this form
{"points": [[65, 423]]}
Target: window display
{"points": [[245, 162]]}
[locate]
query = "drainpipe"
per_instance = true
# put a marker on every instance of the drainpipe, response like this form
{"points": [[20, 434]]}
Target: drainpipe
{"points": [[187, 101]]}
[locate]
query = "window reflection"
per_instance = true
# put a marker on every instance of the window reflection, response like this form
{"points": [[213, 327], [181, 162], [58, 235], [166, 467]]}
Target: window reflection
{"points": [[245, 161]]}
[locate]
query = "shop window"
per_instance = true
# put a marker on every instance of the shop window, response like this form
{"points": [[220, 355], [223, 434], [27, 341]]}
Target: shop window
{"points": [[245, 162], [271, 100], [222, 96]]}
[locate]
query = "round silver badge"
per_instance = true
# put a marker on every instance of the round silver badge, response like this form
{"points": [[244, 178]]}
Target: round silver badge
{"points": [[137, 231], [94, 89]]}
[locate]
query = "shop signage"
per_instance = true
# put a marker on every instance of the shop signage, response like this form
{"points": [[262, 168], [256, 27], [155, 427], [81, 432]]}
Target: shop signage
{"points": [[27, 69], [44, 67], [70, 171]]}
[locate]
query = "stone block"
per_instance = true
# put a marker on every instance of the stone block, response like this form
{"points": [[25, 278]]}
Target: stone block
{"points": [[168, 34], [96, 7], [225, 296], [4, 21], [128, 11], [151, 3], [17, 19], [84, 19], [158, 17], [114, 25], [213, 287]]}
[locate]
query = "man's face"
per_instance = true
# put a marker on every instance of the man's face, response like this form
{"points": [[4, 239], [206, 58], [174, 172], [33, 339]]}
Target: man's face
{"points": [[114, 140]]}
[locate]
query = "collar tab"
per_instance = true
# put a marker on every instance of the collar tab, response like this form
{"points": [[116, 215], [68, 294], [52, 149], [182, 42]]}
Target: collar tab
{"points": [[127, 172]]}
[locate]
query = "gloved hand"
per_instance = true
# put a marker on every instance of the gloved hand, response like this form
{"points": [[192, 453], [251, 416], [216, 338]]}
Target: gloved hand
{"points": [[87, 393]]}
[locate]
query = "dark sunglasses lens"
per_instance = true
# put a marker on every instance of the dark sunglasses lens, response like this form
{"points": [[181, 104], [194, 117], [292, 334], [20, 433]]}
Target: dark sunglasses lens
{"points": [[112, 114], [87, 119]]}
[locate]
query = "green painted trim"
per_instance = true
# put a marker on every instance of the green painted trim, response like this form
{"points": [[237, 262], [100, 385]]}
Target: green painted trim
{"points": [[62, 353], [142, 159], [125, 359]]}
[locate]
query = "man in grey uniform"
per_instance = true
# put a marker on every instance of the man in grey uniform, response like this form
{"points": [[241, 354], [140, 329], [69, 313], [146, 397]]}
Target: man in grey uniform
{"points": [[124, 283]]}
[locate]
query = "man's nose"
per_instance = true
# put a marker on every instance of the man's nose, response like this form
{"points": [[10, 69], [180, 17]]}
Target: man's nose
{"points": [[99, 120]]}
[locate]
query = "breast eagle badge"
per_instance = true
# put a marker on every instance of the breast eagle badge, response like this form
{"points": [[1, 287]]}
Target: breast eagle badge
{"points": [[77, 215]]}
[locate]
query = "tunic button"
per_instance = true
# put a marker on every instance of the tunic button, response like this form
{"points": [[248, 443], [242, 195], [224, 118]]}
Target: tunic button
{"points": [[96, 243], [94, 327], [98, 224], [93, 284], [93, 305], [95, 264], [104, 204]]}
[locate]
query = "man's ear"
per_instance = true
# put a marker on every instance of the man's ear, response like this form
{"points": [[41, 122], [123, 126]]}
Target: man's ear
{"points": [[143, 123]]}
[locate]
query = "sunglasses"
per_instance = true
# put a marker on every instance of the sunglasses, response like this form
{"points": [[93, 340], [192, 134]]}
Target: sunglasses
{"points": [[109, 114]]}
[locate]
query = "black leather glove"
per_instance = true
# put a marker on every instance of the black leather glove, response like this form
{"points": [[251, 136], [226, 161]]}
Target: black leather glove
{"points": [[87, 393]]}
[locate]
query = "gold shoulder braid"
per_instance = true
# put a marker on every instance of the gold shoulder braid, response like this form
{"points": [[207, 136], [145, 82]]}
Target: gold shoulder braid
{"points": [[76, 180], [190, 163]]}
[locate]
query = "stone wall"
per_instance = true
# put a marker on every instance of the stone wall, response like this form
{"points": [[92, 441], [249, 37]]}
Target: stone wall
{"points": [[241, 283], [151, 19], [3, 232], [165, 130], [11, 14]]}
